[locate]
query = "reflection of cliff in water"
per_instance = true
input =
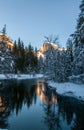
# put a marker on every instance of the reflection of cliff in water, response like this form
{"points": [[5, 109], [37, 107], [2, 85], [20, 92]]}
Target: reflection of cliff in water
{"points": [[60, 112], [4, 112], [12, 98], [46, 94], [3, 124], [14, 95], [6, 92]]}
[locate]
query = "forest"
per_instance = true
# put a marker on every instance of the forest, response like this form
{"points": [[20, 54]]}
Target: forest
{"points": [[60, 64]]}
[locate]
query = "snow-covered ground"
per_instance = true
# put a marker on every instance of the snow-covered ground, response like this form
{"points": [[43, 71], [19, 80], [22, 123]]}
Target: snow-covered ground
{"points": [[20, 76], [3, 129], [69, 89]]}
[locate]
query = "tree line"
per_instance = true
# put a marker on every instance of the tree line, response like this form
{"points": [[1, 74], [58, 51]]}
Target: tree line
{"points": [[24, 57]]}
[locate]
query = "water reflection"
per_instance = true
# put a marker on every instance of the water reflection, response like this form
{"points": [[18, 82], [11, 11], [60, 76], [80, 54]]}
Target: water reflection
{"points": [[46, 94], [2, 107], [71, 112], [58, 112], [68, 114]]}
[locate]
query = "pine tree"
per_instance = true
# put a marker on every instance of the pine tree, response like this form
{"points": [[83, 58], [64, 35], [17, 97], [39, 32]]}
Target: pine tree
{"points": [[78, 41], [19, 54], [4, 30], [30, 59], [69, 57], [78, 36]]}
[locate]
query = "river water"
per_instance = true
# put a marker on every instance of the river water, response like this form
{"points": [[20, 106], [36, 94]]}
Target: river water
{"points": [[33, 105]]}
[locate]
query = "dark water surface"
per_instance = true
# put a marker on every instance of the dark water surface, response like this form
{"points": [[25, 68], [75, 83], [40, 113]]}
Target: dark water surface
{"points": [[33, 105]]}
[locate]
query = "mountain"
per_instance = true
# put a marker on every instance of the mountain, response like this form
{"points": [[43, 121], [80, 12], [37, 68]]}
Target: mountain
{"points": [[5, 41], [6, 56], [46, 47]]}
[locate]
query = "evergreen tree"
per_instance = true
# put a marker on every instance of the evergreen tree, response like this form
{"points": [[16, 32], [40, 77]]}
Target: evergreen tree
{"points": [[4, 30], [19, 54], [78, 41], [30, 59], [78, 36], [69, 57], [14, 51]]}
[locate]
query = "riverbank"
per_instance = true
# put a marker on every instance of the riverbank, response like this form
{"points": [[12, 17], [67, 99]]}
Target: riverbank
{"points": [[20, 76], [69, 89]]}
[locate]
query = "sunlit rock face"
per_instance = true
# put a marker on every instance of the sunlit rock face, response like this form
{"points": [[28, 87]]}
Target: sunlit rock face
{"points": [[48, 46], [5, 41], [48, 56]]}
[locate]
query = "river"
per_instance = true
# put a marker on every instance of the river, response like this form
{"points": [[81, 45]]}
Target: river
{"points": [[33, 105]]}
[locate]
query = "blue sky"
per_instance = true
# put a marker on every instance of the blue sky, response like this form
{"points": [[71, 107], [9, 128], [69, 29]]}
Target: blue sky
{"points": [[31, 20]]}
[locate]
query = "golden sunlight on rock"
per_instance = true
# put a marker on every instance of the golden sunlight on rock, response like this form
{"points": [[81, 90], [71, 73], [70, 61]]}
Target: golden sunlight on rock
{"points": [[42, 93], [6, 41]]}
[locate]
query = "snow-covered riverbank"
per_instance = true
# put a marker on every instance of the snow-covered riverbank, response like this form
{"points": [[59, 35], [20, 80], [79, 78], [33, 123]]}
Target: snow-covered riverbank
{"points": [[69, 89], [20, 76]]}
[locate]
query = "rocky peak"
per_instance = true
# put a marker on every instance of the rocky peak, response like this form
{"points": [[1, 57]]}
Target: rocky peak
{"points": [[5, 41], [47, 46]]}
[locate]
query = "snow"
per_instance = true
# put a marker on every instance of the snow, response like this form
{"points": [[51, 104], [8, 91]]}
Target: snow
{"points": [[28, 76], [69, 89], [20, 76], [3, 129], [39, 54], [77, 76], [54, 45], [2, 59], [12, 63]]}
